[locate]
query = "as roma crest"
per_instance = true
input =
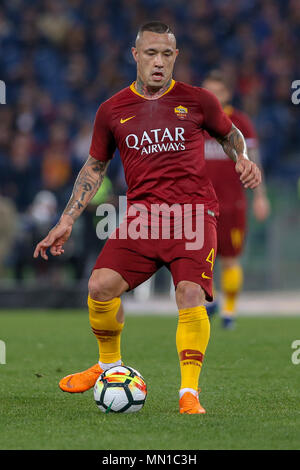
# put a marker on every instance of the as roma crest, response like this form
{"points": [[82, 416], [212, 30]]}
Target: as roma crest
{"points": [[181, 112]]}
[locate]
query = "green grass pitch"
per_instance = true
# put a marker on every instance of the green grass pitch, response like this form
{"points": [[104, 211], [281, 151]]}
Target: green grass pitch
{"points": [[250, 387]]}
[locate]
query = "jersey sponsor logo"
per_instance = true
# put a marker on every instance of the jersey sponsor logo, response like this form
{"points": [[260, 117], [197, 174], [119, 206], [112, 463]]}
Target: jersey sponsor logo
{"points": [[157, 140], [191, 354], [125, 120], [181, 112]]}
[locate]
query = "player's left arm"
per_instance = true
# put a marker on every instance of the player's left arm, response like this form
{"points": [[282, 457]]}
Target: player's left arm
{"points": [[234, 145], [219, 126]]}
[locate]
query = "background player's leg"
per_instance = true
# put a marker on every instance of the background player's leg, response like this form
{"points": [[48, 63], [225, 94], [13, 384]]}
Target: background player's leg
{"points": [[192, 335], [106, 314], [212, 307], [231, 284]]}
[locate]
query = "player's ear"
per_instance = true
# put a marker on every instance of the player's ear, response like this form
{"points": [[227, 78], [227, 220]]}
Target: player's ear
{"points": [[134, 53]]}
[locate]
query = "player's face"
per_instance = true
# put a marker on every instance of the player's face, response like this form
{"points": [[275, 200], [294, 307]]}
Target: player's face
{"points": [[219, 90], [155, 55]]}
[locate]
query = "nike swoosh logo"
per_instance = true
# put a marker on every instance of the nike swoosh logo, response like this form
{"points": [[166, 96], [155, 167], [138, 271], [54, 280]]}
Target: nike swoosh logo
{"points": [[189, 354], [127, 119], [204, 276], [68, 384], [109, 407]]}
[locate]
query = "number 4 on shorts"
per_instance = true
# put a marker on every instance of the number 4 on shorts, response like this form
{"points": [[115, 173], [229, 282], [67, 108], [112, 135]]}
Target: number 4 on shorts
{"points": [[211, 258]]}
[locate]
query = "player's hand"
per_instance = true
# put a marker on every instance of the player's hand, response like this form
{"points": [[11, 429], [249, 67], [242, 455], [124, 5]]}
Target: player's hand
{"points": [[55, 240], [261, 207], [250, 174]]}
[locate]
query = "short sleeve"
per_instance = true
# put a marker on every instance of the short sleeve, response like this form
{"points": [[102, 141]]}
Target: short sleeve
{"points": [[215, 122], [103, 143]]}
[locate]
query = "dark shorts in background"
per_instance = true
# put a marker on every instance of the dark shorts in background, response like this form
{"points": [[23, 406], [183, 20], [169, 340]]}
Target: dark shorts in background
{"points": [[231, 232]]}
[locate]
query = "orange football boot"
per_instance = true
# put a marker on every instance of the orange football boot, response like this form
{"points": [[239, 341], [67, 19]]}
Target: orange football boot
{"points": [[189, 404], [82, 381]]}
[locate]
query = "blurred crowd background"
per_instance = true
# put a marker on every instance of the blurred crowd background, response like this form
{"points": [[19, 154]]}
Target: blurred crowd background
{"points": [[60, 59]]}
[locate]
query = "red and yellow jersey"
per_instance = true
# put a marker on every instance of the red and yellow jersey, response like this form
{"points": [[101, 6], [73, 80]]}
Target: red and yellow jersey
{"points": [[161, 143], [221, 169]]}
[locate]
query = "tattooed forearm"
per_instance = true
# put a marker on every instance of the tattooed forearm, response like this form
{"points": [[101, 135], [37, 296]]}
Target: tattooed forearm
{"points": [[86, 185], [234, 143]]}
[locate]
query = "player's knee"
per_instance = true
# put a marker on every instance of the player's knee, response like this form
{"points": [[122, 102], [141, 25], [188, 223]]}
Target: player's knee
{"points": [[100, 289], [189, 294]]}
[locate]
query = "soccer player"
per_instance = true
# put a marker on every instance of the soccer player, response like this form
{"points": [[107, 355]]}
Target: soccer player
{"points": [[157, 124], [232, 199]]}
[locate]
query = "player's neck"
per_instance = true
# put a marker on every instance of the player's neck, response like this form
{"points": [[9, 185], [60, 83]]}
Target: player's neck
{"points": [[151, 93]]}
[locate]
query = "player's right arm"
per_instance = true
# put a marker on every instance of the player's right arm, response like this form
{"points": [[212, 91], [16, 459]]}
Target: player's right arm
{"points": [[86, 185]]}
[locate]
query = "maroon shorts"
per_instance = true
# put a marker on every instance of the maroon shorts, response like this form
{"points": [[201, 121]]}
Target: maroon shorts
{"points": [[137, 260], [231, 232]]}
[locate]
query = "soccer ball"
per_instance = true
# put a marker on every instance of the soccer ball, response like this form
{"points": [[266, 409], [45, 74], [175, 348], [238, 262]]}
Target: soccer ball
{"points": [[120, 389]]}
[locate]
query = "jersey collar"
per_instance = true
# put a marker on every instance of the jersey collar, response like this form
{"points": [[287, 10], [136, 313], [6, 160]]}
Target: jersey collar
{"points": [[132, 88]]}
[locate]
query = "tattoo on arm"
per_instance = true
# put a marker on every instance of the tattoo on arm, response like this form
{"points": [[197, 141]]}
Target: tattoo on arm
{"points": [[233, 143], [86, 185]]}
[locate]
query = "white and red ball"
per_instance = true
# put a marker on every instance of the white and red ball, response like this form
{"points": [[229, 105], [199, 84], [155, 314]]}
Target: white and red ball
{"points": [[120, 389]]}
